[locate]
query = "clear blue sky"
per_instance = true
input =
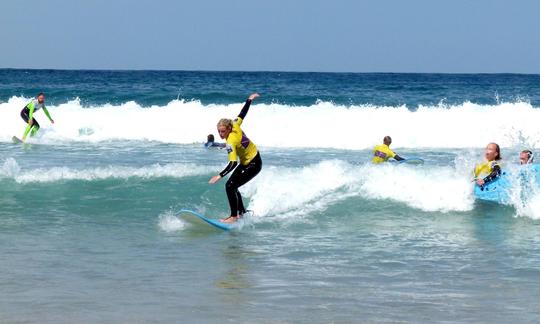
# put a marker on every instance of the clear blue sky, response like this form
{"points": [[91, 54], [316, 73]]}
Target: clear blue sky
{"points": [[273, 35]]}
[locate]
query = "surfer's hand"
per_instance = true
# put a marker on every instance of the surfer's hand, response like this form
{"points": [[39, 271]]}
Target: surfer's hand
{"points": [[480, 182], [253, 96], [215, 179], [52, 121]]}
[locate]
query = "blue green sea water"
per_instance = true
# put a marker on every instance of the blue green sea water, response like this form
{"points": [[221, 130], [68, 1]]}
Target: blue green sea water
{"points": [[90, 229]]}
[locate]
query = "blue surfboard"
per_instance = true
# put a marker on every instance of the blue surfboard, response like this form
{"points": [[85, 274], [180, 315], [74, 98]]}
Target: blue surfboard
{"points": [[214, 222]]}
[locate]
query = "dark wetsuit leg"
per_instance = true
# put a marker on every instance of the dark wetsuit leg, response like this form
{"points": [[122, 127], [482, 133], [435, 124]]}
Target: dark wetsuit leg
{"points": [[25, 115], [241, 175]]}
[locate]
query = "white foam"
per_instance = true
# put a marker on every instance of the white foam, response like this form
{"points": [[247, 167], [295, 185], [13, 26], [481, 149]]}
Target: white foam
{"points": [[292, 194], [531, 208], [289, 193], [524, 192], [430, 189], [169, 222], [11, 169], [323, 125]]}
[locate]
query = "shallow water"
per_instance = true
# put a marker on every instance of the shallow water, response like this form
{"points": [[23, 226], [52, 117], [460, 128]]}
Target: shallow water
{"points": [[112, 247]]}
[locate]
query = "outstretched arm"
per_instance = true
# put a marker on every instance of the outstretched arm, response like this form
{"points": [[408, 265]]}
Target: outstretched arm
{"points": [[231, 166], [245, 109], [48, 115], [233, 157], [398, 158], [228, 168]]}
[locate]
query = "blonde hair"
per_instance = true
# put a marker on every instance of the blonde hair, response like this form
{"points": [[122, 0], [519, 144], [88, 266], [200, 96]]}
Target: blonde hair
{"points": [[228, 123]]}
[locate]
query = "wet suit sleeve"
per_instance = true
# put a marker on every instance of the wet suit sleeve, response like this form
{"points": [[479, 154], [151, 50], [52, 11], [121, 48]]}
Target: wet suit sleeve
{"points": [[494, 174], [392, 154], [244, 110], [233, 157], [47, 113], [228, 168]]}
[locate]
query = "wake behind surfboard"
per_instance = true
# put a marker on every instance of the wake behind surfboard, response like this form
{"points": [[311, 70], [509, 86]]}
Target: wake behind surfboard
{"points": [[191, 216]]}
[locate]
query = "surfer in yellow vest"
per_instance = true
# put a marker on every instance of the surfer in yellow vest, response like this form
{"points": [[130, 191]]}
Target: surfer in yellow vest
{"points": [[27, 114], [239, 147], [382, 152], [490, 169]]}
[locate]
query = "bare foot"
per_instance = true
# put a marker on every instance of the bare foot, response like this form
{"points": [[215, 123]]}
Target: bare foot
{"points": [[229, 220]]}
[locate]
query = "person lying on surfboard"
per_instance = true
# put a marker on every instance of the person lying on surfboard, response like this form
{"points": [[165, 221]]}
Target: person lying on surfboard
{"points": [[27, 114], [211, 142], [491, 168], [238, 146], [382, 152]]}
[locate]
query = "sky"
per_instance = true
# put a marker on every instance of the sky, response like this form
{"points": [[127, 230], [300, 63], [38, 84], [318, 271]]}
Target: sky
{"points": [[449, 36]]}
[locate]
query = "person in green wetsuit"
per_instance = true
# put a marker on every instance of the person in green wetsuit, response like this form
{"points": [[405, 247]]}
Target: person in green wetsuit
{"points": [[27, 114]]}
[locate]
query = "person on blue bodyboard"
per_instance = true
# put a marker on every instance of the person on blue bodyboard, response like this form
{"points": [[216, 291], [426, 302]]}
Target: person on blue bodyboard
{"points": [[27, 114], [239, 147], [211, 142], [491, 168], [382, 152]]}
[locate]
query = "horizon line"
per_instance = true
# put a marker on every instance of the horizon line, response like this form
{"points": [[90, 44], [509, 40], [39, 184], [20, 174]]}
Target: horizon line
{"points": [[256, 71]]}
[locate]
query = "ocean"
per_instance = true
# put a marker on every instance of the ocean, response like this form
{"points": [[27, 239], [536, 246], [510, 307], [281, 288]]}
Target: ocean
{"points": [[90, 228]]}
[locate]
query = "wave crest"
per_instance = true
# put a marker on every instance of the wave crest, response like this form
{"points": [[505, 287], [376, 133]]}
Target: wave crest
{"points": [[322, 125]]}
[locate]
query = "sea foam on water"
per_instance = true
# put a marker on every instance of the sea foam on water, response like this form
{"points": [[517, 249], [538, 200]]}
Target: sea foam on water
{"points": [[322, 125]]}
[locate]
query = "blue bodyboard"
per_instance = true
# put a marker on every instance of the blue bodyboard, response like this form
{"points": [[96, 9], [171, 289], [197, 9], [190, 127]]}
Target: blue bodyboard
{"points": [[500, 189], [497, 191]]}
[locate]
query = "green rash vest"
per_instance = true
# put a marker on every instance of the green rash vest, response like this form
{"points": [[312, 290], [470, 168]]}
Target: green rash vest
{"points": [[33, 106]]}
